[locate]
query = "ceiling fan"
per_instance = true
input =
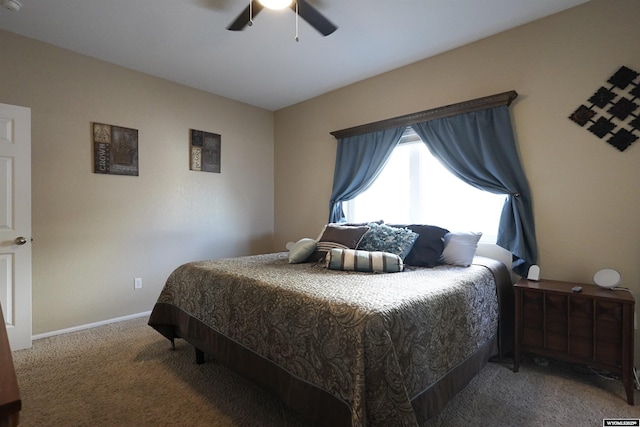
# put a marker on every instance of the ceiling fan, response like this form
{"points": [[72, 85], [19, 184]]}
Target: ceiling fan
{"points": [[12, 5], [301, 7]]}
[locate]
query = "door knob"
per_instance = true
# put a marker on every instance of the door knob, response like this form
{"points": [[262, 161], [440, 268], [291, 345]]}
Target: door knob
{"points": [[20, 240]]}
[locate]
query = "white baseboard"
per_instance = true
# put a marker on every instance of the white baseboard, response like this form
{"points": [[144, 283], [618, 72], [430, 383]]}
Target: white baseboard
{"points": [[90, 325]]}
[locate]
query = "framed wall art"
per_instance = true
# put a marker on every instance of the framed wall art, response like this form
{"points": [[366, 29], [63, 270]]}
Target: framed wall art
{"points": [[115, 150], [204, 149]]}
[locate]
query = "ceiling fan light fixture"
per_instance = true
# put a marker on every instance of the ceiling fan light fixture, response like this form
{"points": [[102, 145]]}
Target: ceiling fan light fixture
{"points": [[12, 5], [276, 4]]}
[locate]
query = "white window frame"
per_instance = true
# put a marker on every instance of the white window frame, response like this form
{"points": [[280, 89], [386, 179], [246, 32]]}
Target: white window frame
{"points": [[417, 178]]}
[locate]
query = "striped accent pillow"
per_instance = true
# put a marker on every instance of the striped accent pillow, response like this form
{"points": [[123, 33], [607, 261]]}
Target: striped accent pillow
{"points": [[355, 260]]}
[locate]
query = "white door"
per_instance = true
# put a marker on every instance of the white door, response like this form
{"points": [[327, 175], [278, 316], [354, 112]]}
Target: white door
{"points": [[15, 223]]}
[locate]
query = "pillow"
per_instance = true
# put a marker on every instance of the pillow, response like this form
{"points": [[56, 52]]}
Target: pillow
{"points": [[301, 250], [383, 238], [337, 236], [460, 248], [355, 260], [427, 249], [355, 224]]}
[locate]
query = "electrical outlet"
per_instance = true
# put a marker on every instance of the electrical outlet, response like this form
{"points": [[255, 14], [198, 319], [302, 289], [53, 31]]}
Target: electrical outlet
{"points": [[137, 283]]}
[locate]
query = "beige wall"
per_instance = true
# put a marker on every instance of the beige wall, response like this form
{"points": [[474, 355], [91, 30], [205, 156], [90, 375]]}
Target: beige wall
{"points": [[93, 234], [585, 192]]}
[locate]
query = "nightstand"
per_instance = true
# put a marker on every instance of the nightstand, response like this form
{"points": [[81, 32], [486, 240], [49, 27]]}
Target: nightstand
{"points": [[593, 327]]}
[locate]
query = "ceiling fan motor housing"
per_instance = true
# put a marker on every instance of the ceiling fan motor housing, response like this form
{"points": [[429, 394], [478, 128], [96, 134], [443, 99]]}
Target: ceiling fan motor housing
{"points": [[12, 5], [301, 7]]}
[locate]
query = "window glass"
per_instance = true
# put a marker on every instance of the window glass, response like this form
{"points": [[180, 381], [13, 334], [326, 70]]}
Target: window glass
{"points": [[414, 188]]}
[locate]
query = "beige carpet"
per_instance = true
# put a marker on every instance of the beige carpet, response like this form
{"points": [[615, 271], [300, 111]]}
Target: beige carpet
{"points": [[124, 374]]}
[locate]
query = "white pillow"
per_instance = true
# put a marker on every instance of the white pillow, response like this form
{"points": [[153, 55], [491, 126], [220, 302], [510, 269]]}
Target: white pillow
{"points": [[301, 250], [460, 248]]}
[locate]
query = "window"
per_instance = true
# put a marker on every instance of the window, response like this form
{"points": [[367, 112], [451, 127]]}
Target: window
{"points": [[414, 188]]}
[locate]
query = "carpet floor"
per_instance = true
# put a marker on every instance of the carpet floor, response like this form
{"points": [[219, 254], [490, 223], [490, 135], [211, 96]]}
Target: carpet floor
{"points": [[124, 374]]}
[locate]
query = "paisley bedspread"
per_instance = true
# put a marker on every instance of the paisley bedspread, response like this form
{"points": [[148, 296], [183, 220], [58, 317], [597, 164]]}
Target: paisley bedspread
{"points": [[374, 341]]}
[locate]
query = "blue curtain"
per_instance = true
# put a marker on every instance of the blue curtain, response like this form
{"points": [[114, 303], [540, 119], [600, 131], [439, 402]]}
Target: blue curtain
{"points": [[359, 160], [479, 148]]}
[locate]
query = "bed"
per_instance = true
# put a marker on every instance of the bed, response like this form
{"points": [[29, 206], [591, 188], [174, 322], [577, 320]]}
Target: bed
{"points": [[344, 348]]}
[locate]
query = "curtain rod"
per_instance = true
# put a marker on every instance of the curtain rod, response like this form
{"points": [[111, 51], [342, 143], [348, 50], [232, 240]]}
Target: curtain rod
{"points": [[477, 104]]}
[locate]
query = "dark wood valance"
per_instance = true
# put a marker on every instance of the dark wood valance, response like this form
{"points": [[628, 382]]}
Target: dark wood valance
{"points": [[497, 100]]}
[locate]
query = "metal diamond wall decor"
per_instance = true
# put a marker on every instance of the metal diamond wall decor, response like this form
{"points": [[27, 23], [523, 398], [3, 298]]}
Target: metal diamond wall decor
{"points": [[613, 111]]}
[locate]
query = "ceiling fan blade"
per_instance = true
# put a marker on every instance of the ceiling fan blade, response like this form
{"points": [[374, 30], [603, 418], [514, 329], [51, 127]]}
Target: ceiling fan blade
{"points": [[313, 17], [245, 17]]}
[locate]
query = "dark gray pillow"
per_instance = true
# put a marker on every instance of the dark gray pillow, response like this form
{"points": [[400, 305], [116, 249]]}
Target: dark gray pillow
{"points": [[337, 236], [427, 249]]}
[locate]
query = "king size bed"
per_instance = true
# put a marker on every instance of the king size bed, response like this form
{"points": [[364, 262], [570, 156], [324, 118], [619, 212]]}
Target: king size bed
{"points": [[344, 348]]}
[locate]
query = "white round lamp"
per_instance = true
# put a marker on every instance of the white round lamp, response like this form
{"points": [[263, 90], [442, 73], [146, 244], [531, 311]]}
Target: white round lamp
{"points": [[607, 278]]}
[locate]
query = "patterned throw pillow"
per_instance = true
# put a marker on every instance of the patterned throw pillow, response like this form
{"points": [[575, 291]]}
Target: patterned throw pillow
{"points": [[383, 238], [354, 260]]}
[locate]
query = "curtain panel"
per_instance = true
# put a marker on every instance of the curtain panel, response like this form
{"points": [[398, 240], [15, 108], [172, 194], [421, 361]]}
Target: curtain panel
{"points": [[359, 160], [479, 148]]}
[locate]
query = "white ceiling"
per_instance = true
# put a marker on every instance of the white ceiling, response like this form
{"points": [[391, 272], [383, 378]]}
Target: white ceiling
{"points": [[186, 41]]}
